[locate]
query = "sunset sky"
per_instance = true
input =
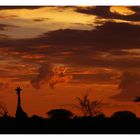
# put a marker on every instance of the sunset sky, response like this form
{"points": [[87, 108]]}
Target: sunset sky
{"points": [[59, 53]]}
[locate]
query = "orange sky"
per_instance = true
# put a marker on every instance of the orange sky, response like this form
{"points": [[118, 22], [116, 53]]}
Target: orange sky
{"points": [[59, 53]]}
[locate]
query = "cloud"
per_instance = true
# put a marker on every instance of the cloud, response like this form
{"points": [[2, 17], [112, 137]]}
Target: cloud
{"points": [[137, 99], [107, 46], [101, 47], [98, 78], [104, 12], [19, 7], [48, 74], [60, 75], [120, 35], [44, 75], [129, 87], [6, 26], [40, 19]]}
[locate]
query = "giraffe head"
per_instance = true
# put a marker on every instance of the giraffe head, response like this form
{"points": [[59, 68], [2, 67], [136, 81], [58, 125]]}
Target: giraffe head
{"points": [[18, 89]]}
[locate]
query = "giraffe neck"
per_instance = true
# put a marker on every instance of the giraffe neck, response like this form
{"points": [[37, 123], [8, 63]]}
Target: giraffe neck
{"points": [[19, 100]]}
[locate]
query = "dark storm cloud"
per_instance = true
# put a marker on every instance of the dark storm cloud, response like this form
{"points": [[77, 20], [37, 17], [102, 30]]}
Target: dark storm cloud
{"points": [[77, 48], [104, 12], [82, 47], [129, 87], [110, 36]]}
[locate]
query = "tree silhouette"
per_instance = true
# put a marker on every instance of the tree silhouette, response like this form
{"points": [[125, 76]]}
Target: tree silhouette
{"points": [[3, 110], [89, 108], [60, 114], [123, 115]]}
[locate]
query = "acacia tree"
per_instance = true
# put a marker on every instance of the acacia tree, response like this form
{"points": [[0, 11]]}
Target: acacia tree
{"points": [[89, 108], [60, 114]]}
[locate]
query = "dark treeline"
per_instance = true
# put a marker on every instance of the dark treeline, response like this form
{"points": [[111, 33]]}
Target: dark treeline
{"points": [[120, 122], [62, 121]]}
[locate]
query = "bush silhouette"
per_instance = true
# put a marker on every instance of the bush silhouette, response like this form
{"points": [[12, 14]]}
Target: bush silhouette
{"points": [[124, 116], [60, 114], [3, 110]]}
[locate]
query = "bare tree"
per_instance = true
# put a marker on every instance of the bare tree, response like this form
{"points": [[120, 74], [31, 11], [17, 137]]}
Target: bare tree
{"points": [[3, 110], [89, 108]]}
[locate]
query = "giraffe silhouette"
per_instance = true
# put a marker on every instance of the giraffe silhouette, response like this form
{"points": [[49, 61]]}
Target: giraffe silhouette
{"points": [[20, 114]]}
